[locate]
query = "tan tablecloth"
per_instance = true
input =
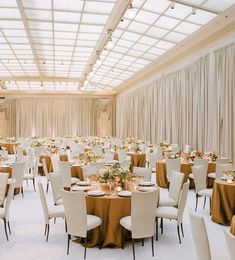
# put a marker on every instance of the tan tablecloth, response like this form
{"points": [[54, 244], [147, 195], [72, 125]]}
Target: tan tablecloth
{"points": [[9, 147], [110, 209], [137, 159], [47, 158], [76, 171], [223, 202], [232, 229], [186, 168]]}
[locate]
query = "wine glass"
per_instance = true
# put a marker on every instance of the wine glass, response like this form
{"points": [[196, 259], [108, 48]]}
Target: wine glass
{"points": [[110, 185]]}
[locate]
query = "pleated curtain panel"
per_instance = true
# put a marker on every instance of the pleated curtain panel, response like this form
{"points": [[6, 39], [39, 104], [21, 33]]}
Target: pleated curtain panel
{"points": [[194, 105]]}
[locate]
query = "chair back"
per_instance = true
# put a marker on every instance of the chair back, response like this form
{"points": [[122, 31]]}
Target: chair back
{"points": [[75, 212], [142, 213], [9, 197], [152, 158], [108, 157], [44, 166], [56, 184], [98, 150], [38, 151], [97, 165], [88, 171], [177, 179], [220, 168], [200, 177], [172, 164], [18, 171], [143, 172], [200, 237], [222, 160], [188, 148], [230, 241], [127, 162], [55, 162], [203, 162], [43, 202], [121, 155], [182, 201], [65, 172], [3, 186]]}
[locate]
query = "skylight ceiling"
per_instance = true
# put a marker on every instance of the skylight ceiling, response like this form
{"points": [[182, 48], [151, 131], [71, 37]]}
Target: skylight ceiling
{"points": [[51, 44]]}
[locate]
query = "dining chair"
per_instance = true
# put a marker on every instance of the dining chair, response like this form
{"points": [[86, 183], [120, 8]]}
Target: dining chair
{"points": [[141, 221], [172, 164], [143, 172], [55, 162], [88, 171], [152, 160], [32, 174], [122, 154], [57, 183], [199, 235], [174, 213], [98, 165], [18, 171], [4, 211], [108, 157], [172, 199], [49, 212], [230, 241], [198, 162], [200, 180], [65, 171], [98, 150], [77, 220], [219, 170], [45, 170], [3, 186]]}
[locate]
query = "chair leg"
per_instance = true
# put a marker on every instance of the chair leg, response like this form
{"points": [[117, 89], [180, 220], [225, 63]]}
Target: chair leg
{"points": [[5, 227], [45, 231], [196, 202], [142, 241], [204, 202], [161, 225], [182, 230], [22, 191], [152, 246], [178, 231], [69, 237], [85, 247], [27, 182], [54, 220], [210, 205], [100, 237], [34, 184], [48, 230], [9, 228], [133, 248], [65, 224], [47, 187], [123, 237], [156, 229]]}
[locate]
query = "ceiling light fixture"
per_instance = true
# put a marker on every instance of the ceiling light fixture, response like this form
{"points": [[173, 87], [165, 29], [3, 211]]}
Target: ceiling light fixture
{"points": [[193, 11], [130, 12], [110, 44], [41, 87], [172, 5]]}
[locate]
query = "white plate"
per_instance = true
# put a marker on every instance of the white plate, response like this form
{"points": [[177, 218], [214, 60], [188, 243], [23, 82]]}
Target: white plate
{"points": [[124, 193], [83, 183], [147, 188], [96, 193], [81, 188], [146, 183]]}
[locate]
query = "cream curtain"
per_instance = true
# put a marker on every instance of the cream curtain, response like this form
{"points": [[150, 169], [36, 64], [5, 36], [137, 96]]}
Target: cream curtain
{"points": [[194, 105], [55, 117]]}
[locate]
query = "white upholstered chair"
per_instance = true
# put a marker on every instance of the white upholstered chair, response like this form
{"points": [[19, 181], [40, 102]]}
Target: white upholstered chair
{"points": [[4, 211], [49, 212], [230, 241], [152, 160], [219, 170], [98, 165], [88, 171], [141, 221], [55, 162], [172, 164], [200, 180], [65, 171], [57, 184], [170, 212], [177, 179], [200, 237], [198, 162], [78, 222], [98, 150], [122, 154], [18, 171], [45, 170], [143, 172], [32, 174], [108, 157], [3, 186]]}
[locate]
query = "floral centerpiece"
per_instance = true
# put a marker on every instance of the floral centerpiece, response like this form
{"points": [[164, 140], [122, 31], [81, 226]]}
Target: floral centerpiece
{"points": [[88, 156], [212, 155], [117, 172], [173, 155], [136, 149], [164, 144], [10, 139], [124, 147], [197, 154], [185, 156]]}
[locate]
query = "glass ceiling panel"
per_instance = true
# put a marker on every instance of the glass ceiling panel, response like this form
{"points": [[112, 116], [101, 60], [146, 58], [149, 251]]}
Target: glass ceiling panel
{"points": [[72, 40]]}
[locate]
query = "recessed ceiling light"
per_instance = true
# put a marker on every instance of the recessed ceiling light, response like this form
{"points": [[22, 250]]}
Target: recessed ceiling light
{"points": [[131, 12]]}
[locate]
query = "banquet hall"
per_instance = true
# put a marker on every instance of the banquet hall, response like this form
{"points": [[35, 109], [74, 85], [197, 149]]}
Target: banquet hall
{"points": [[117, 129]]}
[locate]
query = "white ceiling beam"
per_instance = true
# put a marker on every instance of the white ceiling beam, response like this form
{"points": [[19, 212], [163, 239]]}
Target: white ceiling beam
{"points": [[22, 13]]}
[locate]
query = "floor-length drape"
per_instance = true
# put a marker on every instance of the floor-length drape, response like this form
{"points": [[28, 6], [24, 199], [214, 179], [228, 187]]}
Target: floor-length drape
{"points": [[194, 105]]}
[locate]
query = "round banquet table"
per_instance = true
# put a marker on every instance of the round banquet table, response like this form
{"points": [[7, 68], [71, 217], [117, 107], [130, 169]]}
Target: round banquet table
{"points": [[110, 209], [137, 159], [186, 168], [232, 229], [47, 158], [223, 202], [9, 147]]}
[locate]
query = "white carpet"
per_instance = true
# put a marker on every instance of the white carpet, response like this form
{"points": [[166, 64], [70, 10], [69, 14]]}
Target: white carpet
{"points": [[27, 241]]}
